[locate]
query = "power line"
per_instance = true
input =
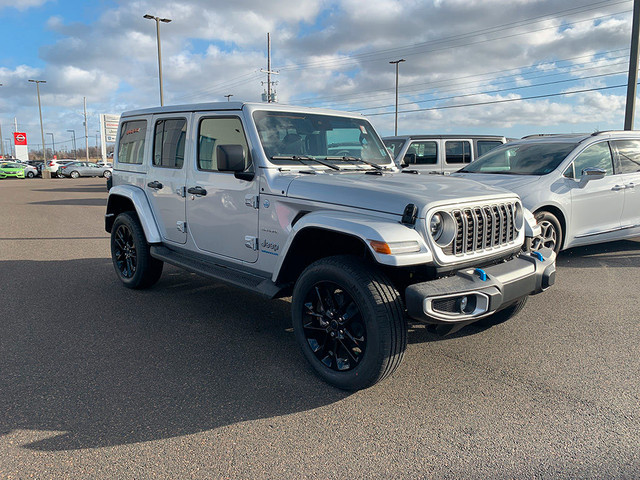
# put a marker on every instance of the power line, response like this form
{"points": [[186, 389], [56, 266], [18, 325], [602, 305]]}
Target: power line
{"points": [[406, 50], [492, 102]]}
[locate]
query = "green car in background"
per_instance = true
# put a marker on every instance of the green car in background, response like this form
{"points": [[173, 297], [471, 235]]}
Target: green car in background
{"points": [[11, 169]]}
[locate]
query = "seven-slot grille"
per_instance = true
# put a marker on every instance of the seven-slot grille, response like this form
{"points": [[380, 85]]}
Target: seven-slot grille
{"points": [[483, 228]]}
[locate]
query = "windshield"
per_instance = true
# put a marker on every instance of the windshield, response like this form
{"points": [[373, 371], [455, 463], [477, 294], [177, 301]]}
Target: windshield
{"points": [[522, 159], [290, 136]]}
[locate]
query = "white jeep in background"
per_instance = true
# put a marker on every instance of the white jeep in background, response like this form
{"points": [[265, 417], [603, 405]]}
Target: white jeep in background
{"points": [[307, 203]]}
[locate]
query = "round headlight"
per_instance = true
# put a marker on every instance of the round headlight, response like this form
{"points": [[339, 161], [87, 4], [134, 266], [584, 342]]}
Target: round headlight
{"points": [[436, 226]]}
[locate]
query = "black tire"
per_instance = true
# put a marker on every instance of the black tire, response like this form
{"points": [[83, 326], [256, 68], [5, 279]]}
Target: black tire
{"points": [[59, 175], [30, 174], [505, 314], [363, 320], [106, 174], [552, 234], [134, 265], [74, 174]]}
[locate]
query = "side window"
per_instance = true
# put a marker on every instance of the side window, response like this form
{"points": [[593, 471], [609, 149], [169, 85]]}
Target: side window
{"points": [[218, 131], [628, 155], [131, 146], [426, 152], [485, 145], [394, 146], [595, 156], [168, 144], [457, 151]]}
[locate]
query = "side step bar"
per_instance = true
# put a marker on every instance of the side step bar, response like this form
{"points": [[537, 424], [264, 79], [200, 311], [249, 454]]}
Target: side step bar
{"points": [[221, 273]]}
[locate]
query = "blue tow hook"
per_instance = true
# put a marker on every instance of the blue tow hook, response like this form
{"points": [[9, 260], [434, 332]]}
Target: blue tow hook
{"points": [[538, 255], [481, 273]]}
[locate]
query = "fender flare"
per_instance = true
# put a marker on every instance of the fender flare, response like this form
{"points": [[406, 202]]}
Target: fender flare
{"points": [[365, 228], [141, 204]]}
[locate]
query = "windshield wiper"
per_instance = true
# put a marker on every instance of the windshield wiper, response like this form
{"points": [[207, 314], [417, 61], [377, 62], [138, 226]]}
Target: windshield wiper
{"points": [[357, 159], [301, 158]]}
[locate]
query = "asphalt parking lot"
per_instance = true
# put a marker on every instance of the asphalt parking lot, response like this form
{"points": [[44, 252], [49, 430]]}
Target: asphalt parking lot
{"points": [[194, 379]]}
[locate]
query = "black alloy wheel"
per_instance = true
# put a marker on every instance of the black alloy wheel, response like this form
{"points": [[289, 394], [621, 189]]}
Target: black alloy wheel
{"points": [[125, 254], [333, 327], [348, 319], [131, 253]]}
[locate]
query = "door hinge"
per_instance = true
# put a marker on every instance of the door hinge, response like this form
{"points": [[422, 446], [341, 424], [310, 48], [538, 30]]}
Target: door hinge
{"points": [[182, 191], [251, 242], [181, 226], [252, 201]]}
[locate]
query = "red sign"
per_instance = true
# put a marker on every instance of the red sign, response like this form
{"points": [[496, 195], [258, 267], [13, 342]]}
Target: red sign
{"points": [[20, 138]]}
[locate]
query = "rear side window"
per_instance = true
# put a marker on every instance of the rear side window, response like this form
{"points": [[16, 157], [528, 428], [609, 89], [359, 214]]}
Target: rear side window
{"points": [[457, 151], [628, 155], [486, 145], [168, 144], [131, 146], [426, 152], [214, 132]]}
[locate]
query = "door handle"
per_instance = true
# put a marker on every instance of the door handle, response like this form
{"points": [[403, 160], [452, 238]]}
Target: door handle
{"points": [[197, 191], [155, 185], [615, 188], [629, 185]]}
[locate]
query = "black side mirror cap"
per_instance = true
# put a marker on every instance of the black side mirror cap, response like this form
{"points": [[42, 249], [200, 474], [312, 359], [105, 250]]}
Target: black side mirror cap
{"points": [[231, 158], [409, 159]]}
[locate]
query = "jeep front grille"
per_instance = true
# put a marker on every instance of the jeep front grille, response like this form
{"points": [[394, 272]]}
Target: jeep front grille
{"points": [[482, 228]]}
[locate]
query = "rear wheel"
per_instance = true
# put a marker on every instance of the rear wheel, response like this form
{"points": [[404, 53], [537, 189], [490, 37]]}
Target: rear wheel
{"points": [[30, 175], [551, 235], [106, 174], [74, 174], [349, 322], [130, 253]]}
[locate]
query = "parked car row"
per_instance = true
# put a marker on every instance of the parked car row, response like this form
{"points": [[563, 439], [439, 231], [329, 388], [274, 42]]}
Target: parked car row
{"points": [[58, 168]]}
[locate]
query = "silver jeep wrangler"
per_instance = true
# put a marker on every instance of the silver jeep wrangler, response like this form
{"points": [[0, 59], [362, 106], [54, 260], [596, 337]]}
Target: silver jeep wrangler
{"points": [[307, 203]]}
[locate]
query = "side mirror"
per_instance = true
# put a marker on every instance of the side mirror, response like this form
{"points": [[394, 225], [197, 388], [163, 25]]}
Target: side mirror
{"points": [[231, 158], [409, 159], [592, 173]]}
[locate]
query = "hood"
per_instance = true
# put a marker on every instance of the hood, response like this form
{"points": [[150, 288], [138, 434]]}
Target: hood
{"points": [[390, 192], [512, 183]]}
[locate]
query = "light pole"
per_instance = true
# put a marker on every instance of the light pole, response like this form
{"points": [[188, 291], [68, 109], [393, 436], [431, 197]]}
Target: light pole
{"points": [[53, 142], [229, 97], [158, 20], [1, 142], [74, 143], [397, 62], [44, 151]]}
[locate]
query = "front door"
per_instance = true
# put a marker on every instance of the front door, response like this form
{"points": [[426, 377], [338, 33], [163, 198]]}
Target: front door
{"points": [[628, 168], [596, 204], [165, 180], [223, 216]]}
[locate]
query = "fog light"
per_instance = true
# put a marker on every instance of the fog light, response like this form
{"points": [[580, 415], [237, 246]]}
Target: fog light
{"points": [[463, 304]]}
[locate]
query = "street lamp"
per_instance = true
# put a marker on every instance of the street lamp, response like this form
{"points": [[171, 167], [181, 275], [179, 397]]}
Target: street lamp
{"points": [[74, 143], [53, 142], [44, 152], [397, 62], [229, 97], [158, 20]]}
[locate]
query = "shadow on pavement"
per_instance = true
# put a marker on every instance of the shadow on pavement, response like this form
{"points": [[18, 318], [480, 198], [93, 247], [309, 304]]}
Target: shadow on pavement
{"points": [[83, 202], [623, 253], [77, 189], [109, 366]]}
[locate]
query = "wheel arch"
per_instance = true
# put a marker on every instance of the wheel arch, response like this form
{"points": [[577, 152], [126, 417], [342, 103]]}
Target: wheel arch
{"points": [[559, 214], [123, 198]]}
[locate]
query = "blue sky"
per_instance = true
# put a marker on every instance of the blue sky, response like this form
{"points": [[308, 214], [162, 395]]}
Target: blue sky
{"points": [[509, 64]]}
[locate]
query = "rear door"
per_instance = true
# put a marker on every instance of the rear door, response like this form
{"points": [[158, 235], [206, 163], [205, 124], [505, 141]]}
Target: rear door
{"points": [[166, 177], [223, 218], [457, 154]]}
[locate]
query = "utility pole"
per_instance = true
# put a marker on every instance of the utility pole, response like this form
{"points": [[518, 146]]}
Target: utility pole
{"points": [[268, 71], [45, 173], [633, 69], [86, 132], [397, 62]]}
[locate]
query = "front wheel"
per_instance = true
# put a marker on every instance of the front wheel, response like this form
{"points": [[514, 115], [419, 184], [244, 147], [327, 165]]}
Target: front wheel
{"points": [[74, 174], [30, 175], [130, 253], [551, 232], [349, 322], [106, 174]]}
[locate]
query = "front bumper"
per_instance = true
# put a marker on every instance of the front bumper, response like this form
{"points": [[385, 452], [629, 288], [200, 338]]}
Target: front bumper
{"points": [[475, 293]]}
